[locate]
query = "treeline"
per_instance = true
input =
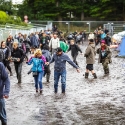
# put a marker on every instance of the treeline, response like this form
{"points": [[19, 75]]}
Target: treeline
{"points": [[8, 13], [111, 10], [73, 10]]}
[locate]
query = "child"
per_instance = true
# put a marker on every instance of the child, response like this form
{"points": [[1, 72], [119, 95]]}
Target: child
{"points": [[74, 51], [90, 58], [104, 56]]}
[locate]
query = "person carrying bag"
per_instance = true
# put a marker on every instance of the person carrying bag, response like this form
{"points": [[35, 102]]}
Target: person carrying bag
{"points": [[37, 69]]}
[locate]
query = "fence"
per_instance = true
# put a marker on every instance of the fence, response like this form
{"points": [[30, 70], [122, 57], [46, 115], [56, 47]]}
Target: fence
{"points": [[65, 26], [89, 26], [10, 29]]}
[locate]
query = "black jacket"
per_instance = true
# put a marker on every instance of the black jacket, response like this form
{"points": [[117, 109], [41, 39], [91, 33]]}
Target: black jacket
{"points": [[7, 52], [108, 40], [18, 53], [44, 41], [74, 49]]}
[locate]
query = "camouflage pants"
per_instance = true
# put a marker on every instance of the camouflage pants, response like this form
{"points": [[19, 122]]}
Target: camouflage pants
{"points": [[105, 66]]}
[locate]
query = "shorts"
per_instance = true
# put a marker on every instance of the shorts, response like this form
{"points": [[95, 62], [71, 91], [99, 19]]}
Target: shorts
{"points": [[89, 67]]}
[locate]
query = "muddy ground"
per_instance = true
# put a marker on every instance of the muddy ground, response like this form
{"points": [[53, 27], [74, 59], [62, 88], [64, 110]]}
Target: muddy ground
{"points": [[86, 102]]}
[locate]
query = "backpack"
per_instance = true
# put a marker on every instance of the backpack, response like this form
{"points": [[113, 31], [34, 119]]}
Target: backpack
{"points": [[2, 55], [78, 37], [70, 36]]}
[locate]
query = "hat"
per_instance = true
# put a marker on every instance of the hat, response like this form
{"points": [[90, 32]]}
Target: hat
{"points": [[58, 49], [91, 40], [103, 41]]}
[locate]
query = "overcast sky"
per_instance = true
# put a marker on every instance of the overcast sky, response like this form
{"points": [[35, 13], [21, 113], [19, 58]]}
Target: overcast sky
{"points": [[17, 1]]}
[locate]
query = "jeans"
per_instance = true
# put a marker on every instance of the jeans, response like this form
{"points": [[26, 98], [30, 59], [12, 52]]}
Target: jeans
{"points": [[3, 117], [18, 68], [56, 80], [38, 80]]}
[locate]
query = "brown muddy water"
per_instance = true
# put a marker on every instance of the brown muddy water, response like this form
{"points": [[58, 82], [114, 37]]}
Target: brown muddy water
{"points": [[86, 102]]}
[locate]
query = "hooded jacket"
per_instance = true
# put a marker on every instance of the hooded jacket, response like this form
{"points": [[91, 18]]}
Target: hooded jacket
{"points": [[90, 54], [42, 58], [34, 41], [37, 64], [64, 46], [4, 81], [47, 55], [107, 56]]}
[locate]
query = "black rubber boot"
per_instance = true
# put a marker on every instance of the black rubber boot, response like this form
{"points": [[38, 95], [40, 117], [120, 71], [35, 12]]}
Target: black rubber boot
{"points": [[19, 79], [95, 76], [86, 75], [47, 78], [4, 123]]}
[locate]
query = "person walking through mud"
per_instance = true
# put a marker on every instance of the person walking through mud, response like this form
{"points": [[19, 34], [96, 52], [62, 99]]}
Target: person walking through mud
{"points": [[54, 44], [17, 57], [47, 55], [37, 69], [60, 60], [74, 51], [4, 93], [90, 58], [44, 41], [7, 54], [104, 56]]}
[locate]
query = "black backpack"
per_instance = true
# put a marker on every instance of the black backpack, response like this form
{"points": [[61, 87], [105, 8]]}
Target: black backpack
{"points": [[2, 55]]}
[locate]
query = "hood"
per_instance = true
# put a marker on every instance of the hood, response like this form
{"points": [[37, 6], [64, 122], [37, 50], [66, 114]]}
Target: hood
{"points": [[44, 51], [92, 45]]}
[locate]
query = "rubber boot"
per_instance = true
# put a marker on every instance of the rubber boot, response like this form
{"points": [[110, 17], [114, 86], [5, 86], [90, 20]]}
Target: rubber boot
{"points": [[95, 76], [19, 79], [4, 123], [106, 71], [47, 78], [86, 75]]}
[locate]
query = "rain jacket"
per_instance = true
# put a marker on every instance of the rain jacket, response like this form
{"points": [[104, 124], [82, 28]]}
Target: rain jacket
{"points": [[64, 46], [4, 81], [107, 56], [103, 36], [37, 64], [90, 54], [47, 55], [34, 41], [42, 58]]}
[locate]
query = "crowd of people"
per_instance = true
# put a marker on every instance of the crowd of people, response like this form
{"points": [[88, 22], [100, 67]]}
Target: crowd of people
{"points": [[46, 47]]}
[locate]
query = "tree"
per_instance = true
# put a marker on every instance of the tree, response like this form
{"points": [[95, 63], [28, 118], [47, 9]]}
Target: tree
{"points": [[6, 6]]}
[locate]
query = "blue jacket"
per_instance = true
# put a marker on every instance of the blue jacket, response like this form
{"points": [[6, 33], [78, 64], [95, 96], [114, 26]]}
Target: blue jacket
{"points": [[37, 64], [103, 36], [60, 62], [4, 81], [34, 41]]}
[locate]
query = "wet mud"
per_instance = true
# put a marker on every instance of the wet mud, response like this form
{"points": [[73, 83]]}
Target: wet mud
{"points": [[89, 101]]}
